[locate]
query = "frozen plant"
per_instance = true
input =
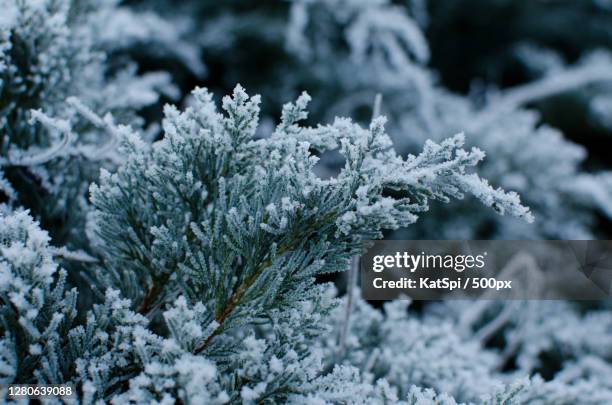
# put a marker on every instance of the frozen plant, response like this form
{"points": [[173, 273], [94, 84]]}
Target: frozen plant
{"points": [[539, 392], [139, 33], [238, 227], [210, 241], [406, 350], [209, 173], [531, 158], [40, 341], [547, 336], [211, 218], [36, 311], [50, 52], [359, 60]]}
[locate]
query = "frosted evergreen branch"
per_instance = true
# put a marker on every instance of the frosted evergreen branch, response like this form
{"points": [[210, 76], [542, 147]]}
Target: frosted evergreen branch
{"points": [[52, 51], [556, 83], [79, 255], [108, 149], [5, 186], [37, 311], [29, 158], [207, 162]]}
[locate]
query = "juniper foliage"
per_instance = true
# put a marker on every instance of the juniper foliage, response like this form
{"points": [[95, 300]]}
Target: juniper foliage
{"points": [[209, 205], [210, 241], [206, 247], [50, 51]]}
